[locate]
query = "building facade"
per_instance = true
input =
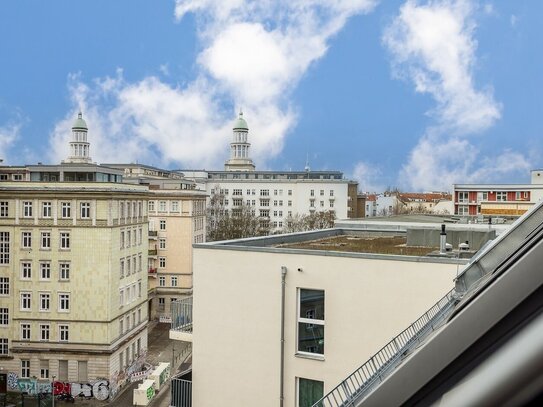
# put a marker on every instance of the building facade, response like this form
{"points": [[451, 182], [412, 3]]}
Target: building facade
{"points": [[337, 307], [503, 200], [73, 280]]}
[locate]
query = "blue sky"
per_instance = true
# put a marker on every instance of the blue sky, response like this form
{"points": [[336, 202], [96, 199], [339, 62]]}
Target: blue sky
{"points": [[414, 94]]}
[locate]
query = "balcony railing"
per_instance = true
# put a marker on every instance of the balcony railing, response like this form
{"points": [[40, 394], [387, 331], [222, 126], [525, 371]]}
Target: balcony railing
{"points": [[152, 270], [181, 311], [152, 252], [153, 233]]}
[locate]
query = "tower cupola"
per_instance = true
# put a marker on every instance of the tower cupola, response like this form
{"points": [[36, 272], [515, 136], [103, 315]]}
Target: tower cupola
{"points": [[79, 145], [239, 147]]}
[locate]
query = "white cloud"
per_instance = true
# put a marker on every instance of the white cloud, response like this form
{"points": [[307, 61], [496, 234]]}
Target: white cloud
{"points": [[9, 133], [253, 55], [368, 175], [433, 46], [514, 20]]}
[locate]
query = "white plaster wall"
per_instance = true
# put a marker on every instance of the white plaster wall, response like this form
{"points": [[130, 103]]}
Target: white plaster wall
{"points": [[237, 298]]}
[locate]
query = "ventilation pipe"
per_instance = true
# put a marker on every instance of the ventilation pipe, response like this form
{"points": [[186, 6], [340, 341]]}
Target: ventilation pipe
{"points": [[443, 240]]}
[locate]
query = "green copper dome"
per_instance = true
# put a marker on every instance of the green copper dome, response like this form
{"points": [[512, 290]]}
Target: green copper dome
{"points": [[80, 123], [240, 123]]}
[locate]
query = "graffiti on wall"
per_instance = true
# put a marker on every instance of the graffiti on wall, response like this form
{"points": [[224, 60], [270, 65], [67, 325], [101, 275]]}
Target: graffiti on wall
{"points": [[99, 389]]}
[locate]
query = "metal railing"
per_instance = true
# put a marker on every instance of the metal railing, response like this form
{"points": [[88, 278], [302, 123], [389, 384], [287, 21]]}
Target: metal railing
{"points": [[181, 393], [181, 312], [362, 380]]}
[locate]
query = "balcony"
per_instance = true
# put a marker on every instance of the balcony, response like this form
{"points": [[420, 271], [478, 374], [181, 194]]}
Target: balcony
{"points": [[152, 272], [181, 312], [153, 253], [153, 234]]}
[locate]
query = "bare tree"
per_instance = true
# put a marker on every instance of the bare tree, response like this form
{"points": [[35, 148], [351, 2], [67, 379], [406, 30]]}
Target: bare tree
{"points": [[315, 220], [225, 224]]}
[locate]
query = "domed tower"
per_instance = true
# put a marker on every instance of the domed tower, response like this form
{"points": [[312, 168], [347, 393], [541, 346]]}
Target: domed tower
{"points": [[239, 148], [79, 146]]}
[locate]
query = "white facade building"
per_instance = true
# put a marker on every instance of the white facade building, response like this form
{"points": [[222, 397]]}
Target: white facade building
{"points": [[273, 194]]}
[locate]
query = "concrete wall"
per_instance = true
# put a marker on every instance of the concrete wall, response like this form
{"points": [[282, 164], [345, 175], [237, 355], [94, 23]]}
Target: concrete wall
{"points": [[431, 237], [237, 310]]}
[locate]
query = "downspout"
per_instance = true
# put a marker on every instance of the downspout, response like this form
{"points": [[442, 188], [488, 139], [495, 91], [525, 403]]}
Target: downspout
{"points": [[282, 368]]}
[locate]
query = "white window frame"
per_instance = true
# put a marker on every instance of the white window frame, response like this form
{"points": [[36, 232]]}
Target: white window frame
{"points": [[309, 321], [45, 270], [45, 332], [26, 239], [4, 316], [4, 346], [174, 281], [26, 301], [26, 332], [27, 209], [64, 302], [45, 302], [25, 369], [84, 210], [4, 209], [64, 271], [26, 270], [45, 240], [64, 240], [63, 333], [65, 210], [46, 209], [162, 281]]}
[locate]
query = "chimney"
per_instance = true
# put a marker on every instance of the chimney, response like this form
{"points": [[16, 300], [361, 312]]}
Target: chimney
{"points": [[442, 240]]}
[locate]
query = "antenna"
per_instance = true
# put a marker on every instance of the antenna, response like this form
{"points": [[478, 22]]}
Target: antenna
{"points": [[306, 168]]}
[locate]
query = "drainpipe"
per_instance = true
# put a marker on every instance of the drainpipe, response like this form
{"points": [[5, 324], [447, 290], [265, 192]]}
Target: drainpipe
{"points": [[282, 368]]}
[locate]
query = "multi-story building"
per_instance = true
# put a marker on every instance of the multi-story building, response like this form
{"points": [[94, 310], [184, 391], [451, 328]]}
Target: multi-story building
{"points": [[275, 195], [176, 212], [73, 278], [505, 200], [295, 321], [176, 221]]}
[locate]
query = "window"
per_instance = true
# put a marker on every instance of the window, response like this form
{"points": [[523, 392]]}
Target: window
{"points": [[44, 332], [27, 209], [4, 247], [4, 285], [26, 301], [312, 192], [309, 392], [44, 371], [161, 243], [85, 210], [128, 266], [45, 301], [161, 303], [63, 333], [463, 210], [128, 238], [26, 270], [174, 281], [162, 281], [64, 240], [237, 192], [64, 302], [139, 263], [64, 271], [66, 209], [45, 240], [311, 321], [264, 192], [4, 316], [25, 369], [4, 349], [121, 297], [331, 192], [140, 235], [25, 332], [121, 269], [26, 240], [151, 206], [46, 209], [501, 196], [290, 192], [463, 197], [121, 326], [175, 206], [139, 288], [45, 270], [162, 225], [162, 262], [322, 192], [162, 206], [3, 209]]}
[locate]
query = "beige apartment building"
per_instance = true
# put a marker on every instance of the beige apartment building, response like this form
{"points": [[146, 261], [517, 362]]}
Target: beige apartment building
{"points": [[282, 320], [73, 283], [176, 221]]}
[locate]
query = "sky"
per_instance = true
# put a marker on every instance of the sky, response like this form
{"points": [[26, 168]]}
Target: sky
{"points": [[415, 95]]}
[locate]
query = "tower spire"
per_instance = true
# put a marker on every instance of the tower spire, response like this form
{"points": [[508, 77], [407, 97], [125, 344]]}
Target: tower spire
{"points": [[79, 145], [239, 147]]}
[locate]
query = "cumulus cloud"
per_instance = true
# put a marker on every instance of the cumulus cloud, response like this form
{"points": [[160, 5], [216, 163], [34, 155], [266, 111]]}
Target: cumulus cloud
{"points": [[433, 46], [9, 133], [253, 53], [368, 176]]}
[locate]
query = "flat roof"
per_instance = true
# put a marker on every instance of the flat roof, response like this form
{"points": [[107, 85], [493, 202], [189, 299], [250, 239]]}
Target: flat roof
{"points": [[376, 244]]}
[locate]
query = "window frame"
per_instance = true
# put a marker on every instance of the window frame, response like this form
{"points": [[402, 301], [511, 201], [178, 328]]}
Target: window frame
{"points": [[310, 323]]}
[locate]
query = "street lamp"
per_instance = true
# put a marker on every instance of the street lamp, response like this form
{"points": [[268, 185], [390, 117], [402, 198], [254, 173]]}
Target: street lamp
{"points": [[53, 391]]}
